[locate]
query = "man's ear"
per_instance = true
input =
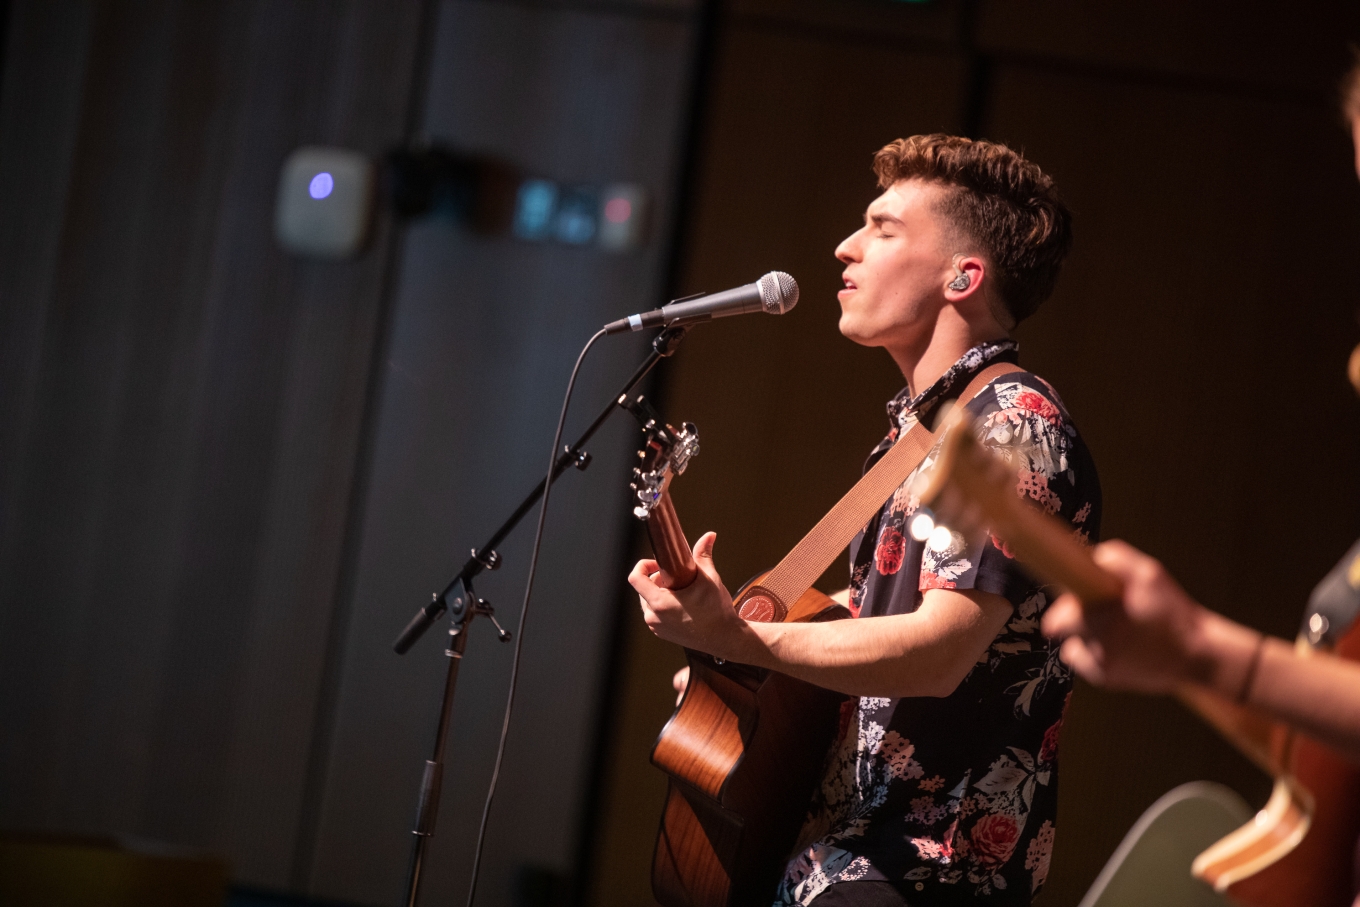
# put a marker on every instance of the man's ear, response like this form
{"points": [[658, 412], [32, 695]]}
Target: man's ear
{"points": [[967, 279], [968, 287]]}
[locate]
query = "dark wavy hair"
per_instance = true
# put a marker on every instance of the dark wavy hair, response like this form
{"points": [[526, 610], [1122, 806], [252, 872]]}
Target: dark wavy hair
{"points": [[1001, 201]]}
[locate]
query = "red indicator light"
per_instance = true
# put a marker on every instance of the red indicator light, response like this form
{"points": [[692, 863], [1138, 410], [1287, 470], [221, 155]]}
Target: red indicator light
{"points": [[618, 210]]}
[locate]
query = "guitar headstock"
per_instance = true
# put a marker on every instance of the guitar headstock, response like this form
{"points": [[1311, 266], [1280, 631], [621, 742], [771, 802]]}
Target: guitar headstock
{"points": [[665, 454]]}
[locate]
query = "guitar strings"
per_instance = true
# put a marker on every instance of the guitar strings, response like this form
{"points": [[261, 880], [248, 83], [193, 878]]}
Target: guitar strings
{"points": [[523, 617]]}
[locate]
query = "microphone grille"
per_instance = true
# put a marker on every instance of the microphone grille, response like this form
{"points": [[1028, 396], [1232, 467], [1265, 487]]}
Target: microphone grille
{"points": [[778, 292]]}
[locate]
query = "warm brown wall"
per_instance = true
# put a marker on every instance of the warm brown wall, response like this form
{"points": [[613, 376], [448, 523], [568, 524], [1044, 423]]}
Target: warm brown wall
{"points": [[1199, 333], [229, 476]]}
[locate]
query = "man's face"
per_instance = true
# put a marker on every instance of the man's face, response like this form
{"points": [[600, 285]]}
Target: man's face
{"points": [[897, 266]]}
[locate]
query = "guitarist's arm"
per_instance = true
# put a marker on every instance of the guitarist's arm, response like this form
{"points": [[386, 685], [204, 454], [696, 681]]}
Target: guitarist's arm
{"points": [[925, 653], [1158, 639], [681, 678]]}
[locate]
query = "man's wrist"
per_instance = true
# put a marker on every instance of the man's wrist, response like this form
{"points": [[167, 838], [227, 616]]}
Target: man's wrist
{"points": [[1223, 653], [748, 645]]}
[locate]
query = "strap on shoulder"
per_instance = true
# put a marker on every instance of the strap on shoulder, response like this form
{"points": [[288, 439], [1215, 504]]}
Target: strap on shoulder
{"points": [[800, 568]]}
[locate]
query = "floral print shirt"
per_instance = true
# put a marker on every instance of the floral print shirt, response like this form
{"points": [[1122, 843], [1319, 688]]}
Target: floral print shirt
{"points": [[956, 797]]}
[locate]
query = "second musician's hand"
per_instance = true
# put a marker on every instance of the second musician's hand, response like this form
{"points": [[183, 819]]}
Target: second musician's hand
{"points": [[1147, 642]]}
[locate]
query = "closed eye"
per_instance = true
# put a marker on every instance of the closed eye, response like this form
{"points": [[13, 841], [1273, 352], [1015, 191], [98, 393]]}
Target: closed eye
{"points": [[883, 223]]}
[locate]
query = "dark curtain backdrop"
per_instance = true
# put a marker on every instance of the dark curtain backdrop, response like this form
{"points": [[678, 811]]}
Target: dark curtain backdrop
{"points": [[484, 334], [182, 409], [229, 476]]}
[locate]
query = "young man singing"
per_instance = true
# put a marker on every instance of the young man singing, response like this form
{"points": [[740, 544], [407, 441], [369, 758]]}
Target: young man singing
{"points": [[944, 785]]}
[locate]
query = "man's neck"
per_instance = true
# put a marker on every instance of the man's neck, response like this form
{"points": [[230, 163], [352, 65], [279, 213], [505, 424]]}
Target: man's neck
{"points": [[951, 338]]}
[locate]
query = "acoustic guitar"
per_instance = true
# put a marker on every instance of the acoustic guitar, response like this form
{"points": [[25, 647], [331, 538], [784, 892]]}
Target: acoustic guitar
{"points": [[1299, 849], [745, 747]]}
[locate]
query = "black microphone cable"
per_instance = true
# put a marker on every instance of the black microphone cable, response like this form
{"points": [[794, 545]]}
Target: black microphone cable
{"points": [[523, 616]]}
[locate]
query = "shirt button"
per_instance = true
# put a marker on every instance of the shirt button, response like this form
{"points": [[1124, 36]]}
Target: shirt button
{"points": [[920, 886]]}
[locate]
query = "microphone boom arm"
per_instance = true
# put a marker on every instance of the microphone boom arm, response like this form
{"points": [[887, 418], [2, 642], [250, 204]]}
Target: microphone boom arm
{"points": [[487, 557]]}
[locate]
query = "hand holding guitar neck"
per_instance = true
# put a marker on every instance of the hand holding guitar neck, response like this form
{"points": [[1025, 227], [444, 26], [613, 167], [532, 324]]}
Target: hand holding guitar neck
{"points": [[678, 568], [745, 746], [969, 490]]}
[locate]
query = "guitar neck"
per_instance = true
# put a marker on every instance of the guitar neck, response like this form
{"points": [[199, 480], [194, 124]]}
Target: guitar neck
{"points": [[669, 545]]}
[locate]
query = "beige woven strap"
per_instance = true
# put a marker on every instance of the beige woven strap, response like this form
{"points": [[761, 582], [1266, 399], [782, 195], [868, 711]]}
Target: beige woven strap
{"points": [[800, 568]]}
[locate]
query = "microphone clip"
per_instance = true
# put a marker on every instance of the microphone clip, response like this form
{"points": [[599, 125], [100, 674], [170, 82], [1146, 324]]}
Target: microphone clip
{"points": [[665, 342]]}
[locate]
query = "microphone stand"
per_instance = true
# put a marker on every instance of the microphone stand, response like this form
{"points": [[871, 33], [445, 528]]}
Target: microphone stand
{"points": [[462, 608]]}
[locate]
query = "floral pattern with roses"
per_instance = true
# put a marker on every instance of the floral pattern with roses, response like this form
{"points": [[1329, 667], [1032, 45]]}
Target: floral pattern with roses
{"points": [[957, 795], [891, 546], [993, 839]]}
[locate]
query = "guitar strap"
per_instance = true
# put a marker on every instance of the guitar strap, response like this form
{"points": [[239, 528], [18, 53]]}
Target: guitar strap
{"points": [[799, 569]]}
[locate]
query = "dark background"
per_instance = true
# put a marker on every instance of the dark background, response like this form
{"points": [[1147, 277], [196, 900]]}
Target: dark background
{"points": [[228, 476]]}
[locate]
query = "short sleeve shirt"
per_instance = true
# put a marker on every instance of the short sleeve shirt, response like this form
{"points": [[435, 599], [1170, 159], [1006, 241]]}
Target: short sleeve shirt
{"points": [[956, 797]]}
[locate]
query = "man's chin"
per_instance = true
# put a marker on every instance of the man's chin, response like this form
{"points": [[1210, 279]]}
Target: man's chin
{"points": [[849, 332]]}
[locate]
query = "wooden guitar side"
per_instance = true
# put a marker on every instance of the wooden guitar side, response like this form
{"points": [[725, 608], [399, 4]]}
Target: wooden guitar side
{"points": [[1318, 871], [744, 752]]}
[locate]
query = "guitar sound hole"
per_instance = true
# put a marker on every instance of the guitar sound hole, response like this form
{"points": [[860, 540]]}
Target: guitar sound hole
{"points": [[762, 609]]}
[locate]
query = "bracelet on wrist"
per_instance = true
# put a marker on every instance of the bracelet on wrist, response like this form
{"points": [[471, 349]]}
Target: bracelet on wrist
{"points": [[1249, 678]]}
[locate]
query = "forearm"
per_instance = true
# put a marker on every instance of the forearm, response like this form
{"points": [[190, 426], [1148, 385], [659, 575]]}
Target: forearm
{"points": [[895, 657], [924, 653], [1319, 694]]}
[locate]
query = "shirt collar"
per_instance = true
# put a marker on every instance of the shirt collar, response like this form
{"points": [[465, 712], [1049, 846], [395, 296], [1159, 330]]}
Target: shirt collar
{"points": [[905, 409]]}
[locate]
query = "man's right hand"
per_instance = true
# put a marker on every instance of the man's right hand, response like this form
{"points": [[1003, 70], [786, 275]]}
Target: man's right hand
{"points": [[680, 681], [1149, 641]]}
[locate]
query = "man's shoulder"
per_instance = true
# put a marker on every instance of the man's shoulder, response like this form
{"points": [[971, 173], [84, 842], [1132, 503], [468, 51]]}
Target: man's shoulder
{"points": [[1022, 392]]}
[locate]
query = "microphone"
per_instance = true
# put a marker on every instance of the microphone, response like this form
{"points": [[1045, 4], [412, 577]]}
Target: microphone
{"points": [[774, 293]]}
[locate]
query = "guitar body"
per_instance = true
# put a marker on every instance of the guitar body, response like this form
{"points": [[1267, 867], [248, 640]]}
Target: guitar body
{"points": [[744, 751], [1319, 871]]}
